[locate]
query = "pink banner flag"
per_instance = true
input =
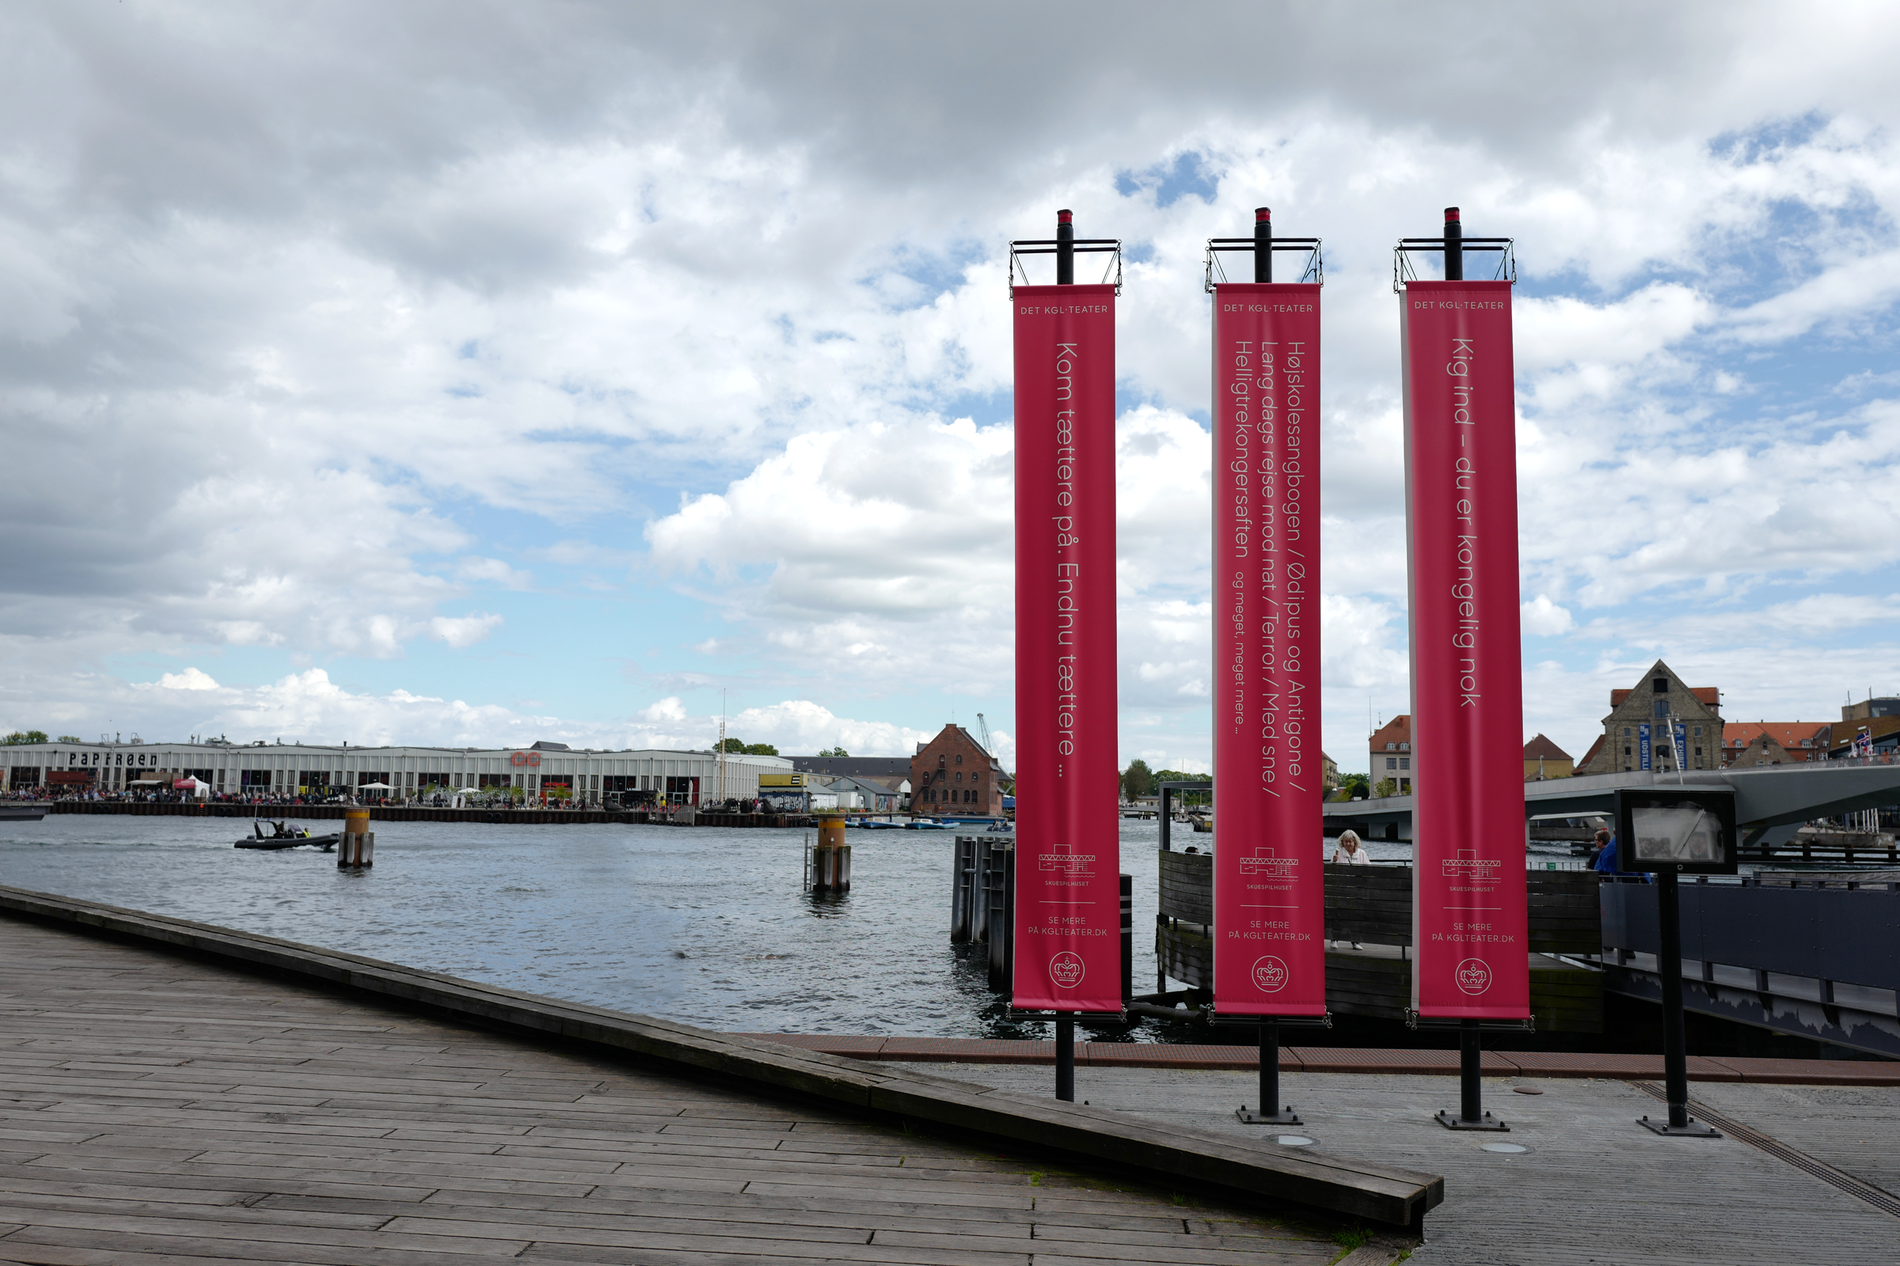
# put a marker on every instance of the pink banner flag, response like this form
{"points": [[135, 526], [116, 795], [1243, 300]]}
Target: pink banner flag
{"points": [[1269, 888], [1068, 847], [1468, 895]]}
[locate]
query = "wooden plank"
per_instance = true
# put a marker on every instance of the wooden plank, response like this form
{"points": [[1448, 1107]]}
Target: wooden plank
{"points": [[162, 1152]]}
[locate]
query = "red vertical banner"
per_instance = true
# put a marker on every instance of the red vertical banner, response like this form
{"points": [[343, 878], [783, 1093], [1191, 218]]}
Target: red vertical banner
{"points": [[1068, 828], [1468, 894], [1269, 888]]}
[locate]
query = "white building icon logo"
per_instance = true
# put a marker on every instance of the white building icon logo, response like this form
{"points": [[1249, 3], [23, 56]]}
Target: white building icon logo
{"points": [[1064, 862], [1469, 866], [1264, 864]]}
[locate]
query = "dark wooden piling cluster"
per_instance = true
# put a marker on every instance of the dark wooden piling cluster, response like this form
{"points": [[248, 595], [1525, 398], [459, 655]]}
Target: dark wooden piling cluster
{"points": [[983, 899], [1372, 905], [983, 906]]}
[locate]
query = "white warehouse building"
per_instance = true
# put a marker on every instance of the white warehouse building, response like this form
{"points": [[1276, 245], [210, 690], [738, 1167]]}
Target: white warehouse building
{"points": [[579, 776]]}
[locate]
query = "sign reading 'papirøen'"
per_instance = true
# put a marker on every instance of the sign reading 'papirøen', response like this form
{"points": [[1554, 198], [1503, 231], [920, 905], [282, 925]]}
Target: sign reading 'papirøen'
{"points": [[1468, 915], [1068, 898], [1269, 890]]}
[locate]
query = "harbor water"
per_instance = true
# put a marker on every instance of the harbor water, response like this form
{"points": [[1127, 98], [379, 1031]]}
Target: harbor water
{"points": [[708, 926]]}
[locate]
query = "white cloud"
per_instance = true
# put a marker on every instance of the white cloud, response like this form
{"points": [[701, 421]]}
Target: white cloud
{"points": [[190, 679], [493, 571], [334, 324], [1543, 618], [461, 631], [799, 725], [668, 709]]}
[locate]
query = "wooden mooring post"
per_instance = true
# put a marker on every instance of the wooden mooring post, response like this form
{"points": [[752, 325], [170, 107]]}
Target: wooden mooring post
{"points": [[831, 856], [358, 845]]}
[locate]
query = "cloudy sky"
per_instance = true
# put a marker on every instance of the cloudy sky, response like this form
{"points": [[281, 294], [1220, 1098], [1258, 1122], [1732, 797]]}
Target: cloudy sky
{"points": [[478, 373]]}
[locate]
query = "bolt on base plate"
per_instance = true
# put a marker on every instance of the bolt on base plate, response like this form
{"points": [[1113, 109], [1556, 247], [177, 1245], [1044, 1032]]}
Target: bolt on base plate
{"points": [[1284, 1116], [1452, 1121], [1694, 1130]]}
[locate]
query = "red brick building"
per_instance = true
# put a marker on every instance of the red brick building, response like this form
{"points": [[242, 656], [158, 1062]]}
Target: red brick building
{"points": [[1775, 742], [953, 775], [1392, 754]]}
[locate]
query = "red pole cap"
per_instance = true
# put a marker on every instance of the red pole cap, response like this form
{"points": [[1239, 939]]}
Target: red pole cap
{"points": [[1063, 216], [1261, 213], [1451, 215]]}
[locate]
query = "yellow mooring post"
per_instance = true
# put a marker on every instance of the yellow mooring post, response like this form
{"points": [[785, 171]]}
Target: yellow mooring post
{"points": [[358, 845], [831, 856]]}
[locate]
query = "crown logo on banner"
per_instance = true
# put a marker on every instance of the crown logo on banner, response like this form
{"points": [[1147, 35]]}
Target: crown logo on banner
{"points": [[1468, 865], [1473, 976], [1063, 862], [1270, 974], [1067, 969], [1266, 865]]}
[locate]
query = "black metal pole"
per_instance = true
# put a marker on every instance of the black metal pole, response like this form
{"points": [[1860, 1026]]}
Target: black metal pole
{"points": [[1262, 244], [1470, 1061], [1065, 248], [1270, 1068], [1065, 1056], [1675, 1055], [1454, 246], [1128, 937]]}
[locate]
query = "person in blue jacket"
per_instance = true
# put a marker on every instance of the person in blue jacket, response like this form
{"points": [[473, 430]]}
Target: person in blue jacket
{"points": [[1609, 864]]}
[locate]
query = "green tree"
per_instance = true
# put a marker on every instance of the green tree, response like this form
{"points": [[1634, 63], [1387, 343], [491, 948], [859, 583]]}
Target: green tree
{"points": [[834, 751], [730, 745], [26, 736], [1184, 798], [70, 738], [759, 749], [1353, 787], [1383, 788], [1137, 780]]}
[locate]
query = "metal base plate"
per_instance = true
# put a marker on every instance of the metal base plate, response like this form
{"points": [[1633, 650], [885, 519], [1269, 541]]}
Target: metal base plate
{"points": [[1452, 1121], [1694, 1130], [1285, 1116]]}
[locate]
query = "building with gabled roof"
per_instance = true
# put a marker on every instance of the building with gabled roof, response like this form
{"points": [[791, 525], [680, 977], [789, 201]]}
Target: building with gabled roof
{"points": [[1636, 731], [1390, 753], [1544, 759], [955, 775]]}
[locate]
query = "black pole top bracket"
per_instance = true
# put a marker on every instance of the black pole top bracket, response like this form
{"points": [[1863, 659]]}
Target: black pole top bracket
{"points": [[1313, 271], [1059, 246], [1454, 238]]}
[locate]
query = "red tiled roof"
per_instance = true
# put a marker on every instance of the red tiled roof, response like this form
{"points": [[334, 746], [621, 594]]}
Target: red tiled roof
{"points": [[1710, 695], [1397, 730], [1541, 748], [1737, 735]]}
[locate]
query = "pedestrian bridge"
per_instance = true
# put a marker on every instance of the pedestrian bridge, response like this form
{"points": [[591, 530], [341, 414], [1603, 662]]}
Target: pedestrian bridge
{"points": [[1771, 803]]}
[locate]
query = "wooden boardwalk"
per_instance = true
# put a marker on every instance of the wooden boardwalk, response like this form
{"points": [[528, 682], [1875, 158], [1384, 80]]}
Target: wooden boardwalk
{"points": [[157, 1110]]}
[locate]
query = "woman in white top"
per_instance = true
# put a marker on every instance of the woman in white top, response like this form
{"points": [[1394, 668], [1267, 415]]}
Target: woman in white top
{"points": [[1349, 853]]}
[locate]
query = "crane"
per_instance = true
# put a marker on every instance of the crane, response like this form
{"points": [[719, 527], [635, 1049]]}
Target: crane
{"points": [[984, 727]]}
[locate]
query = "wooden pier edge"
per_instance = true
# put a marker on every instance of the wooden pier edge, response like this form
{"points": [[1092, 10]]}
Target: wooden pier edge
{"points": [[1379, 1193]]}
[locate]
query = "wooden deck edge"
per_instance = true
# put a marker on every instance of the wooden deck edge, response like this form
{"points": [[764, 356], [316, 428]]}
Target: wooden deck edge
{"points": [[1386, 1194], [1554, 1065]]}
